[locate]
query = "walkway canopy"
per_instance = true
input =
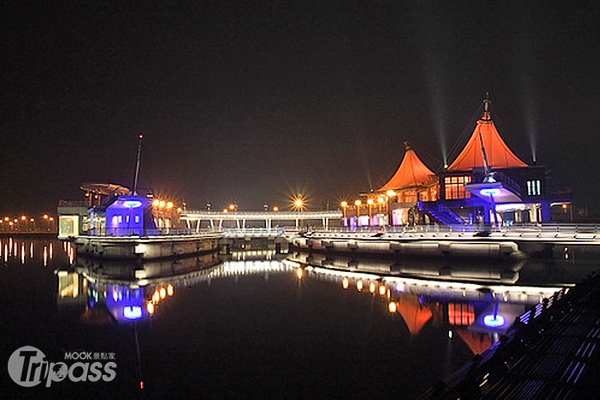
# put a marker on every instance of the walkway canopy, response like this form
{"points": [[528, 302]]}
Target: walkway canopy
{"points": [[411, 172], [486, 135]]}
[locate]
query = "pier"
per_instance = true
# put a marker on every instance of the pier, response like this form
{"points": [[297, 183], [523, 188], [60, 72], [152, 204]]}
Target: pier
{"points": [[435, 241], [549, 353]]}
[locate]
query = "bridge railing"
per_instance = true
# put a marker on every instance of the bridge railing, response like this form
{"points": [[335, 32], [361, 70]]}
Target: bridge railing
{"points": [[124, 232], [555, 227], [254, 231], [545, 227]]}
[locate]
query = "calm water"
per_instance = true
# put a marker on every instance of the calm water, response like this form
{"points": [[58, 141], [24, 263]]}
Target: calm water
{"points": [[254, 326]]}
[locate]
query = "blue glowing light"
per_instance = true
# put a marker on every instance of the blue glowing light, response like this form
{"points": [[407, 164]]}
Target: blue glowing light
{"points": [[493, 321], [133, 312], [132, 203], [490, 192]]}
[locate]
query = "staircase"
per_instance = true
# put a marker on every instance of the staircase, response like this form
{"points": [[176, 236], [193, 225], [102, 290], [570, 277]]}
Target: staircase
{"points": [[441, 213]]}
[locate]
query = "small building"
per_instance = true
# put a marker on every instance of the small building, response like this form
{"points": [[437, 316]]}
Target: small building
{"points": [[72, 218], [110, 209], [129, 215]]}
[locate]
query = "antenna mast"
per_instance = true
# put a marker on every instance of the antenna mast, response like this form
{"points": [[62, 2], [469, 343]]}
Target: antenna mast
{"points": [[137, 165], [486, 165]]}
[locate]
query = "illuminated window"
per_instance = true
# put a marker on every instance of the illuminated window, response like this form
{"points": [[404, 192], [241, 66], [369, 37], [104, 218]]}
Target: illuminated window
{"points": [[534, 188], [137, 219], [410, 196], [461, 314], [455, 187]]}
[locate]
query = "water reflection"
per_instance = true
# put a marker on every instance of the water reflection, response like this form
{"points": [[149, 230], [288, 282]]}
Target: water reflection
{"points": [[330, 326], [476, 305], [113, 292], [26, 249], [478, 308]]}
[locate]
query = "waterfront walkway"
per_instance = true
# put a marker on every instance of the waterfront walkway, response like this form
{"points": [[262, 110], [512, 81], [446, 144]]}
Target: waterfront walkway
{"points": [[567, 234], [551, 352]]}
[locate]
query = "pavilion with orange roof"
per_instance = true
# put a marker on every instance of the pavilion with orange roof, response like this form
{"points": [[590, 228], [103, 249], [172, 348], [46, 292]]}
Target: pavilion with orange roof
{"points": [[391, 204], [487, 183]]}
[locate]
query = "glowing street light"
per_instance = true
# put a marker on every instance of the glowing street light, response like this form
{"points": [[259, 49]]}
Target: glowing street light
{"points": [[298, 203]]}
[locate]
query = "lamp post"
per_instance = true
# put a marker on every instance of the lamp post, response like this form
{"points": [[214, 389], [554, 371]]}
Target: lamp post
{"points": [[390, 194], [370, 203], [344, 205], [357, 203]]}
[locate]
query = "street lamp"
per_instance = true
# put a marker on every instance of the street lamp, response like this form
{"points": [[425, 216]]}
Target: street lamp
{"points": [[370, 203], [357, 203], [298, 204], [344, 205]]}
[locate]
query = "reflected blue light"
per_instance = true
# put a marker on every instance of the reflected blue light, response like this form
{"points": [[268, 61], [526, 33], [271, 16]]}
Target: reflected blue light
{"points": [[493, 321], [490, 192], [133, 312], [132, 203]]}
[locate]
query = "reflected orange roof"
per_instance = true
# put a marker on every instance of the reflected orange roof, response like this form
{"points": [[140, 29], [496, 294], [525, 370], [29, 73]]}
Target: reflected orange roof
{"points": [[414, 314], [411, 172], [498, 153], [478, 342]]}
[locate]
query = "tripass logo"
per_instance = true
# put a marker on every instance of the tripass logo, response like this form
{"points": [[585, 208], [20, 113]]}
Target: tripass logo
{"points": [[28, 367]]}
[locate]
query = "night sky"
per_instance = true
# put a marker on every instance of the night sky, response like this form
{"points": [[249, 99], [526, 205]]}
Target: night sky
{"points": [[249, 103]]}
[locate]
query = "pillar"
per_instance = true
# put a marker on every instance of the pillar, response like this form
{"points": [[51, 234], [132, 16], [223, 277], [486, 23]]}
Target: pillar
{"points": [[546, 217]]}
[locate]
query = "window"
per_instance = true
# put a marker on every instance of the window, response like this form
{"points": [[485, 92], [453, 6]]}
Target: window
{"points": [[461, 314], [455, 187], [534, 188]]}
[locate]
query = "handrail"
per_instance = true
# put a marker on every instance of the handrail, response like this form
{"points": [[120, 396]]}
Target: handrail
{"points": [[124, 232]]}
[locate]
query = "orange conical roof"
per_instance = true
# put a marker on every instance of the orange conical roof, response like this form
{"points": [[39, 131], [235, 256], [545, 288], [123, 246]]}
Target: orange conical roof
{"points": [[498, 153], [414, 314], [478, 342], [411, 172]]}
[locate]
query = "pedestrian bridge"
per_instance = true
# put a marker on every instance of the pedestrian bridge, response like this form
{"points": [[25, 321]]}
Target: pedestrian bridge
{"points": [[240, 219]]}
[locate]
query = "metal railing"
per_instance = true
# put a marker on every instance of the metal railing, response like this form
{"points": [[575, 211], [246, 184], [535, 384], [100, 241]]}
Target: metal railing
{"points": [[124, 232], [544, 227], [254, 232]]}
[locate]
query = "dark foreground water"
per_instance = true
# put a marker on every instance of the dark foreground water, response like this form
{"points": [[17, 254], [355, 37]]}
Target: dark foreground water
{"points": [[250, 327]]}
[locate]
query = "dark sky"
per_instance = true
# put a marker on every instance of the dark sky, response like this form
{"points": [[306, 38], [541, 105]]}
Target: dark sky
{"points": [[252, 103]]}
